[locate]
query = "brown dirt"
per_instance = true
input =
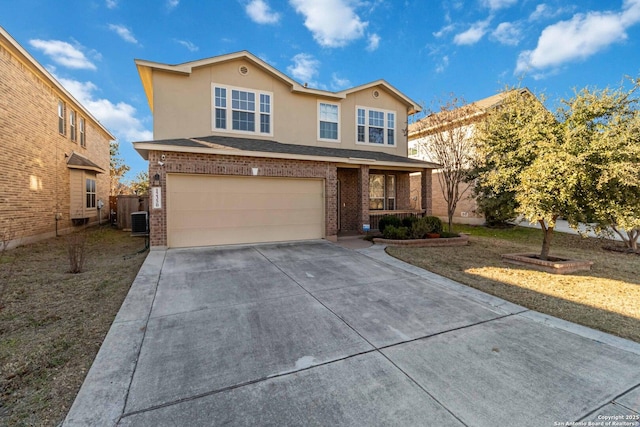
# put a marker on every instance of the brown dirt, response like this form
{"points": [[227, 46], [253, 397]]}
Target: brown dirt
{"points": [[606, 298], [52, 322]]}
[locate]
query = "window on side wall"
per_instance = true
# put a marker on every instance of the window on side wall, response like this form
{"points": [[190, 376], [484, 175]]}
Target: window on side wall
{"points": [[90, 192], [72, 125], [61, 122], [328, 122], [382, 192], [242, 110], [83, 134], [375, 127]]}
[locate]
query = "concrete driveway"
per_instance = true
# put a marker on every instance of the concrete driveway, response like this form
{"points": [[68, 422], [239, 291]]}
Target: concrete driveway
{"points": [[312, 333]]}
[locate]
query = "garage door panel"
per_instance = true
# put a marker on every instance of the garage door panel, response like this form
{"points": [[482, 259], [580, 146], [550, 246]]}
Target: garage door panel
{"points": [[205, 210]]}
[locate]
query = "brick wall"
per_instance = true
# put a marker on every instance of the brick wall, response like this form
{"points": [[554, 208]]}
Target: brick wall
{"points": [[209, 164], [34, 178], [465, 210]]}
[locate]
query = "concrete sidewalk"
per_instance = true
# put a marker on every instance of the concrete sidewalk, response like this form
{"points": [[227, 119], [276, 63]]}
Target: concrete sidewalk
{"points": [[314, 333]]}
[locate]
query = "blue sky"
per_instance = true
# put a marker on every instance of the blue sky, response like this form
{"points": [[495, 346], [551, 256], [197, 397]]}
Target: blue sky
{"points": [[425, 48]]}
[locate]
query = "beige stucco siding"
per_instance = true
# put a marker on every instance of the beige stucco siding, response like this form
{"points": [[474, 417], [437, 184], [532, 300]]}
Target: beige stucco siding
{"points": [[183, 107]]}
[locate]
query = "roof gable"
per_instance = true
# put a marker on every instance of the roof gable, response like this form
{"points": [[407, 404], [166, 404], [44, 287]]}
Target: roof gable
{"points": [[146, 68]]}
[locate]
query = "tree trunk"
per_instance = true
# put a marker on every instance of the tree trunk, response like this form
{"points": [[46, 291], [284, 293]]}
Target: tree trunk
{"points": [[633, 238], [547, 235]]}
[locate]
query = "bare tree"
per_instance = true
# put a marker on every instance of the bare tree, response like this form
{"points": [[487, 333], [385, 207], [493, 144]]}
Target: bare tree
{"points": [[445, 137]]}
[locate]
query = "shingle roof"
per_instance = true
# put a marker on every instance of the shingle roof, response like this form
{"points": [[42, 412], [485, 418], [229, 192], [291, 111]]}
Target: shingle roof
{"points": [[247, 144], [76, 161]]}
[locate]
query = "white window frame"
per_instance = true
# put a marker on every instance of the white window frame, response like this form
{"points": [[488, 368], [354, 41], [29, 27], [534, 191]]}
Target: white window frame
{"points": [[385, 128], [90, 197], [82, 131], [337, 139], [387, 196], [62, 122], [73, 130], [258, 113]]}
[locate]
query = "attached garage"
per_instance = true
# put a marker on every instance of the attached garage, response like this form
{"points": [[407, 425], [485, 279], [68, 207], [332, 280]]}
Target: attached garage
{"points": [[205, 210]]}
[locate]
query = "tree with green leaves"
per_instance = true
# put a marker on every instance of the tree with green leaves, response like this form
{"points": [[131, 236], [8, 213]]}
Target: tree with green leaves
{"points": [[140, 184], [602, 136], [117, 169], [520, 151]]}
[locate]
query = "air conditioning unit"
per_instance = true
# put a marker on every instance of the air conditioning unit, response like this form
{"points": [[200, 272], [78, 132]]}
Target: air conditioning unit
{"points": [[139, 223]]}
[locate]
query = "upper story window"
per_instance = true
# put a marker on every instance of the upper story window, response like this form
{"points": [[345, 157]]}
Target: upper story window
{"points": [[62, 129], [376, 127], [83, 134], [72, 125], [242, 110], [328, 122]]}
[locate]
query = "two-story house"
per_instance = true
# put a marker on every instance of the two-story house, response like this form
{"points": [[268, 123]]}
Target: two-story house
{"points": [[243, 154], [466, 119], [55, 172]]}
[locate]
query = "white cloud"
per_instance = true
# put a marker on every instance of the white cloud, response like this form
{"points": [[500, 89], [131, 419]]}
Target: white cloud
{"points": [[473, 34], [507, 33], [172, 4], [444, 30], [374, 42], [190, 46], [124, 33], [112, 4], [304, 68], [442, 66], [260, 12], [498, 4], [333, 23], [580, 37], [118, 118], [63, 53], [338, 83]]}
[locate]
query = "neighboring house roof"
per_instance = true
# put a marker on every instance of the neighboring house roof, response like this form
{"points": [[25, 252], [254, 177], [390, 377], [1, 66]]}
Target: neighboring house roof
{"points": [[145, 69], [30, 63], [263, 148], [475, 110], [76, 161]]}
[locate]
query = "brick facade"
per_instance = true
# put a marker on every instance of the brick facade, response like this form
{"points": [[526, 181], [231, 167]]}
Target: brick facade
{"points": [[211, 164], [465, 210], [35, 179]]}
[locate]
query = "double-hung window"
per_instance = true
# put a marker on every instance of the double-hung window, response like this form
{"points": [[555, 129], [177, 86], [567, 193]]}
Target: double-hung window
{"points": [[90, 192], [242, 110], [382, 192], [328, 122], [72, 125], [83, 135], [375, 127], [61, 122]]}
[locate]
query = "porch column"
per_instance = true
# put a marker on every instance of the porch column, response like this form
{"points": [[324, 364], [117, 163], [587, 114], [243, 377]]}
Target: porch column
{"points": [[425, 191], [331, 208], [363, 196]]}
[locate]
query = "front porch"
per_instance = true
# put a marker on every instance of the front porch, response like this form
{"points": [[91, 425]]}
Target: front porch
{"points": [[366, 194]]}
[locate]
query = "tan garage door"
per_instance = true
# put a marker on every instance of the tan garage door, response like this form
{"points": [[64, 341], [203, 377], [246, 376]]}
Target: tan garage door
{"points": [[221, 210]]}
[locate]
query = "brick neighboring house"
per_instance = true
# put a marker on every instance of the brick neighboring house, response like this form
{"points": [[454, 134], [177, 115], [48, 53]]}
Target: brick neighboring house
{"points": [[466, 209], [56, 154], [243, 154]]}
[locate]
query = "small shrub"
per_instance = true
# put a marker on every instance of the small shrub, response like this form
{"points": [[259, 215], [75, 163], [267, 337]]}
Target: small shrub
{"points": [[420, 228], [76, 248], [395, 233], [434, 224], [387, 220], [409, 221]]}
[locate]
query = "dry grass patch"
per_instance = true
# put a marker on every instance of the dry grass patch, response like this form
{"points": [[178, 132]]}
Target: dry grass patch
{"points": [[52, 322], [606, 298]]}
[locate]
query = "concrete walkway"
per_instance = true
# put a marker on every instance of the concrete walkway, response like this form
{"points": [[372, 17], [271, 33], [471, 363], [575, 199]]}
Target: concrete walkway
{"points": [[312, 333]]}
